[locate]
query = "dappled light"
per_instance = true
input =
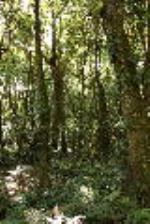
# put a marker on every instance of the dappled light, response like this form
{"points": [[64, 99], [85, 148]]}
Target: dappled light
{"points": [[74, 112]]}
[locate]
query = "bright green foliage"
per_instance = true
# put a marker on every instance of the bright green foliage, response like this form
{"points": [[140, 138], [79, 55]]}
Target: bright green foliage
{"points": [[140, 216], [74, 104]]}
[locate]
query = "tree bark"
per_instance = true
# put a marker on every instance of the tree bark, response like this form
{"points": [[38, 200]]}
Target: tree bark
{"points": [[41, 137], [58, 123], [134, 106], [1, 131]]}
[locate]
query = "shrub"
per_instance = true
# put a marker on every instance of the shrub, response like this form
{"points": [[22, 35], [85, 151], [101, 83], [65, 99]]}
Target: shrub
{"points": [[139, 216], [4, 201]]}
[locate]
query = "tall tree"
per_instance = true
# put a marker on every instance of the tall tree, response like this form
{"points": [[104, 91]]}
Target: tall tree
{"points": [[42, 106], [58, 119], [103, 132], [134, 104]]}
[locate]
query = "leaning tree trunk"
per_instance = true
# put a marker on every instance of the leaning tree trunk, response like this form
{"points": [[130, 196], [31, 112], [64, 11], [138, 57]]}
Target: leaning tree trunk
{"points": [[134, 105]]}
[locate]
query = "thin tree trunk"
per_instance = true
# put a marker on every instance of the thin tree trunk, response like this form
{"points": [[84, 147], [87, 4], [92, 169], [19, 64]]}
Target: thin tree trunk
{"points": [[1, 131], [103, 131], [41, 137], [31, 90], [58, 123]]}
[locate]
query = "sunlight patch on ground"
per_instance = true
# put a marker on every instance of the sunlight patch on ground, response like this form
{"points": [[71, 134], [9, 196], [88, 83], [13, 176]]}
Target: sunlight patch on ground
{"points": [[87, 192]]}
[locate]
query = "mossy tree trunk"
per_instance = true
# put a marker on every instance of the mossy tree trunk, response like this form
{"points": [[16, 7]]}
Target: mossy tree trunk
{"points": [[134, 103], [41, 138]]}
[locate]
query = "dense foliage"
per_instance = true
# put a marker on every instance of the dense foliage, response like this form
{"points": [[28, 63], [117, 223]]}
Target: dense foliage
{"points": [[75, 106]]}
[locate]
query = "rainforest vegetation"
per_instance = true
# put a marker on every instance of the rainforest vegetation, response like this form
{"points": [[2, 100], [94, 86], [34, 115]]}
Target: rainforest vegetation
{"points": [[75, 110]]}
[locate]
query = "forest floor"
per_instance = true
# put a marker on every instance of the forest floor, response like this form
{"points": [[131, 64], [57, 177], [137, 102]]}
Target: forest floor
{"points": [[17, 182]]}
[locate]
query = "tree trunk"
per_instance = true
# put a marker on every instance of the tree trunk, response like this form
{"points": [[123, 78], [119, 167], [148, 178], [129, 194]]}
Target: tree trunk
{"points": [[103, 131], [134, 105], [1, 131], [41, 137], [58, 123]]}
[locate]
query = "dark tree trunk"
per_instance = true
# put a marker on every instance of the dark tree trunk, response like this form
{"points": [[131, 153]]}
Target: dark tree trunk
{"points": [[58, 121], [41, 137], [1, 131], [134, 105], [103, 130]]}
